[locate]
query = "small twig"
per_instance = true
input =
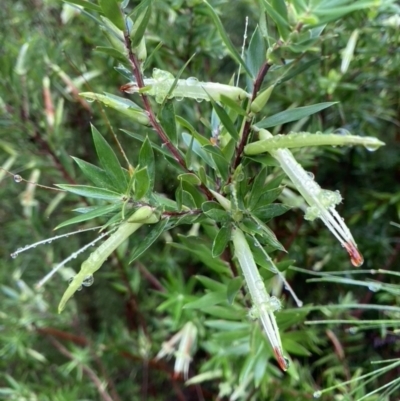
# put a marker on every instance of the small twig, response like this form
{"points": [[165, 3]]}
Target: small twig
{"points": [[150, 277], [135, 66], [246, 129], [88, 371]]}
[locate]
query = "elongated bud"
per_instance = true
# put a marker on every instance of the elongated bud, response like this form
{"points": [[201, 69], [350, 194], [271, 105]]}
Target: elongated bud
{"points": [[144, 215], [261, 100], [114, 35], [124, 106], [225, 203], [302, 139]]}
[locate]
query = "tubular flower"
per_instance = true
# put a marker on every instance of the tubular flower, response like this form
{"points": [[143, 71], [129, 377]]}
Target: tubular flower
{"points": [[264, 306], [180, 345], [321, 202]]}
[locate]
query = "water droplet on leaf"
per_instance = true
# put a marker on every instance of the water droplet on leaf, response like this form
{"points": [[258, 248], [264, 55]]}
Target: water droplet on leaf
{"points": [[88, 281], [17, 178]]}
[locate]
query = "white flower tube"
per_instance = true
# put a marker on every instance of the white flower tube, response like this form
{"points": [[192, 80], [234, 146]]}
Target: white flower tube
{"points": [[162, 81], [264, 306], [321, 202]]}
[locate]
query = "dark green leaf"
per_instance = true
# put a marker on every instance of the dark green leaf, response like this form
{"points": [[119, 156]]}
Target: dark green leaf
{"points": [[140, 26], [277, 11], [146, 159], [167, 120], [293, 115], [221, 240], [225, 120], [150, 238], [111, 51], [94, 174], [142, 183], [211, 284], [267, 197], [85, 4], [190, 178], [221, 163], [257, 188], [92, 192], [268, 212], [232, 49], [111, 10], [96, 212], [233, 288], [256, 54], [210, 299], [109, 161]]}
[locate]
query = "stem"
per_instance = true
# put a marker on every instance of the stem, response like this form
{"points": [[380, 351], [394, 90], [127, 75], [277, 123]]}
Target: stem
{"points": [[247, 126], [135, 65]]}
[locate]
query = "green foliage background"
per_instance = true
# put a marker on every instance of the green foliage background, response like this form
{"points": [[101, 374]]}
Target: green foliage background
{"points": [[110, 333]]}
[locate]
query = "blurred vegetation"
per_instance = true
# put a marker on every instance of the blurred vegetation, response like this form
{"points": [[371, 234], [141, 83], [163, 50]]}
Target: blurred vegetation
{"points": [[343, 342]]}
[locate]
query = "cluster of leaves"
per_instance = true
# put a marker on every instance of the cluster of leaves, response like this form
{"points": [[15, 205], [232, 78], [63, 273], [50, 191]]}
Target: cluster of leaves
{"points": [[185, 160]]}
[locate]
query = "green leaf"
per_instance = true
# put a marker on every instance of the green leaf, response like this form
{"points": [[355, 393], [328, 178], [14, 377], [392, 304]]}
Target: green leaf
{"points": [[296, 70], [215, 212], [146, 159], [293, 115], [96, 212], [278, 12], [198, 149], [140, 26], [221, 241], [150, 238], [142, 183], [167, 120], [267, 197], [268, 212], [233, 288], [85, 4], [232, 49], [211, 284], [113, 13], [94, 174], [256, 226], [109, 161], [202, 251], [190, 178], [224, 312], [225, 120], [210, 299], [92, 192], [222, 165], [111, 51], [256, 54], [257, 188]]}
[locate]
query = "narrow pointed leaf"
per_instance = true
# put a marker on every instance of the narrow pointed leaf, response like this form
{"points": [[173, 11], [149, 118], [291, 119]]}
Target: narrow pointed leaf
{"points": [[290, 115], [109, 161], [92, 192]]}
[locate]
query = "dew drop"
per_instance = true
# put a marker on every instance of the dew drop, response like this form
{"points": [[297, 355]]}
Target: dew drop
{"points": [[14, 255], [17, 178], [192, 81], [371, 147], [199, 100], [90, 100], [310, 175], [79, 288], [353, 330], [341, 131], [287, 362], [374, 287], [88, 281], [71, 279], [317, 394]]}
